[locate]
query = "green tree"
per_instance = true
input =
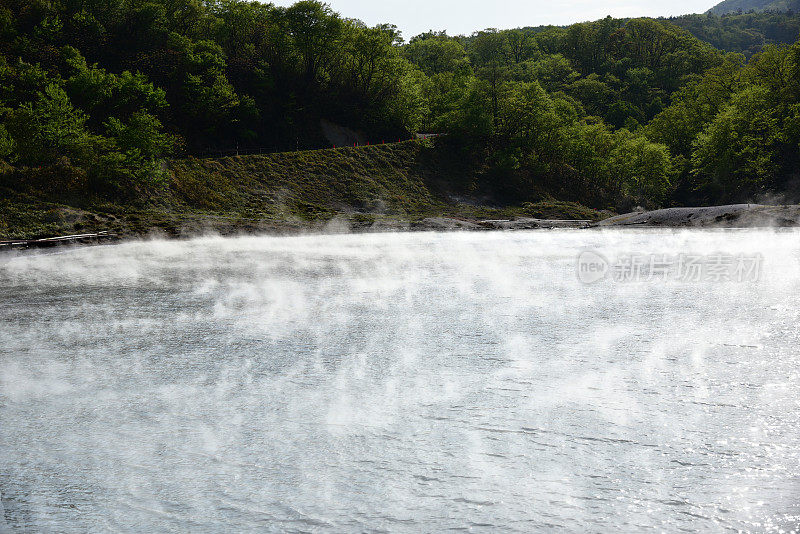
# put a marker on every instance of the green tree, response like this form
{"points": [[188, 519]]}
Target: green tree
{"points": [[739, 153], [642, 169], [139, 146], [443, 94], [437, 55], [695, 105], [142, 135], [489, 52], [6, 144], [553, 71], [520, 46], [594, 94], [50, 129], [315, 30], [102, 94]]}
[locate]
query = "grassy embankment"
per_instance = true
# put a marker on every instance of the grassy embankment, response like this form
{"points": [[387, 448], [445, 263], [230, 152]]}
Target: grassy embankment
{"points": [[400, 182]]}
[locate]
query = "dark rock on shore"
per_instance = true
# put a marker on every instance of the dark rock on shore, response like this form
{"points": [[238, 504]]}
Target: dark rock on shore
{"points": [[534, 224], [444, 224], [733, 216]]}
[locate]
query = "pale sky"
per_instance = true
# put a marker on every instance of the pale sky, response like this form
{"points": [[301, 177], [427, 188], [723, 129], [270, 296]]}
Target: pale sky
{"points": [[466, 16]]}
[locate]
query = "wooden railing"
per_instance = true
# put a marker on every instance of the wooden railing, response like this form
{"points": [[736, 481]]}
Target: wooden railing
{"points": [[19, 244]]}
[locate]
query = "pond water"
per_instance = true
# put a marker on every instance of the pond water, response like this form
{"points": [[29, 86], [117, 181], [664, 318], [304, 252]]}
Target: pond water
{"points": [[401, 383]]}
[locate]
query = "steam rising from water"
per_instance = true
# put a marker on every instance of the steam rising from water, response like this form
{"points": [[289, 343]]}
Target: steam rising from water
{"points": [[397, 382]]}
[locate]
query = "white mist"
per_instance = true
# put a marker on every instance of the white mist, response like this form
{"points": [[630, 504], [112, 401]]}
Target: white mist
{"points": [[405, 382]]}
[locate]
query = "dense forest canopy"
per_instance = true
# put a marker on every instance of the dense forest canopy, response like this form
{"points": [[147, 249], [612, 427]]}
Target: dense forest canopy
{"points": [[742, 32], [94, 94], [745, 33], [743, 6]]}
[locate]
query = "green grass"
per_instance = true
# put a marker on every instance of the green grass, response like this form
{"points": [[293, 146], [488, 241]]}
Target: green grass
{"points": [[309, 185], [271, 193]]}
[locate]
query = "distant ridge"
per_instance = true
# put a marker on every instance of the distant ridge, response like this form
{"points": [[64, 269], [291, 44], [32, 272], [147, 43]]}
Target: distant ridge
{"points": [[733, 6]]}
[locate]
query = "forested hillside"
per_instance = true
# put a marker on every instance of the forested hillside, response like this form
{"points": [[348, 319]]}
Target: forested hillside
{"points": [[743, 6], [745, 33], [96, 94]]}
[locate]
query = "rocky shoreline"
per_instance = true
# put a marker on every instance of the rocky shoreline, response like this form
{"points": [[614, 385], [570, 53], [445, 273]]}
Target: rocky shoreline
{"points": [[732, 216]]}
